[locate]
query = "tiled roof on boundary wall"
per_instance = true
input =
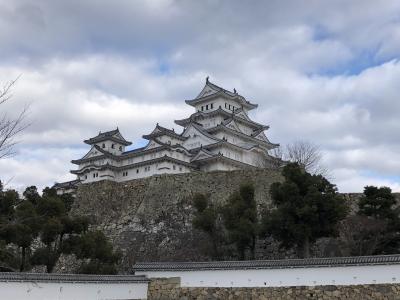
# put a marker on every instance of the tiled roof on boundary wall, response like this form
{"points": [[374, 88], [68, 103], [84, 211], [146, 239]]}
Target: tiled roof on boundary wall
{"points": [[81, 278], [269, 264]]}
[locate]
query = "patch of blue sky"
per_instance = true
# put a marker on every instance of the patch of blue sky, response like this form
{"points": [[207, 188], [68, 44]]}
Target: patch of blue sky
{"points": [[372, 174], [164, 68], [363, 59], [361, 62], [137, 144]]}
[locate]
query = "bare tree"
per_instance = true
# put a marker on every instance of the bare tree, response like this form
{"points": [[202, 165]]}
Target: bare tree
{"points": [[10, 127], [304, 153]]}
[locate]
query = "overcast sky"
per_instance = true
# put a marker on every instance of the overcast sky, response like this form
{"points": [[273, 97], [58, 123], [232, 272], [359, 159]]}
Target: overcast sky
{"points": [[323, 71]]}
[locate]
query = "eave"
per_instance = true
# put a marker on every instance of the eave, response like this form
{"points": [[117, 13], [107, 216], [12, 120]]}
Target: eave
{"points": [[134, 165], [228, 115], [106, 138], [239, 99], [223, 158], [257, 141]]}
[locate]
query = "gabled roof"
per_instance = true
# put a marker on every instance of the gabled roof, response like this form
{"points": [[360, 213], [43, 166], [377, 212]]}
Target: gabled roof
{"points": [[270, 264], [201, 130], [201, 154], [219, 111], [222, 127], [221, 157], [211, 90], [113, 135], [87, 157], [73, 184], [160, 131], [231, 124]]}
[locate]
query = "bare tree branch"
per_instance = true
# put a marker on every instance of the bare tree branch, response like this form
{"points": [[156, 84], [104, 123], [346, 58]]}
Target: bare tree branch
{"points": [[10, 127], [5, 94], [304, 153]]}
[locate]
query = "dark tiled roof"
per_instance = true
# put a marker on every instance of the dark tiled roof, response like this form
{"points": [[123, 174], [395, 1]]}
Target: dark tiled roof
{"points": [[45, 277], [228, 115], [269, 264], [221, 91], [108, 135], [164, 131], [133, 165], [257, 141], [68, 184]]}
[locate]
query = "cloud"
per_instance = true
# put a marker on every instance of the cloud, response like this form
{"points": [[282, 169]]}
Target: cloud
{"points": [[318, 71]]}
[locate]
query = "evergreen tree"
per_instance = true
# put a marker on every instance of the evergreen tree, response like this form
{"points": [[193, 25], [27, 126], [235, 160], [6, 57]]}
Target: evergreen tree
{"points": [[96, 252], [308, 207], [205, 219], [240, 220], [57, 227], [45, 221], [379, 205]]}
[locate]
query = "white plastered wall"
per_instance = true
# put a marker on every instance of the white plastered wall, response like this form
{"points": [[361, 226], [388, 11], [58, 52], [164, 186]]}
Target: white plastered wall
{"points": [[349, 275], [71, 291]]}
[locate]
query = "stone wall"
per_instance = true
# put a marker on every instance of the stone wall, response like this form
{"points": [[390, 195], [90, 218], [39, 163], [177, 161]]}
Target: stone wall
{"points": [[169, 288], [150, 219]]}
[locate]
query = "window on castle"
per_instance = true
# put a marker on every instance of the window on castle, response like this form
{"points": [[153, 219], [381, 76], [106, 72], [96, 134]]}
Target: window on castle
{"points": [[120, 148], [180, 168], [137, 171], [112, 146], [94, 175], [212, 105], [225, 105], [207, 107], [202, 108], [174, 167], [103, 146]]}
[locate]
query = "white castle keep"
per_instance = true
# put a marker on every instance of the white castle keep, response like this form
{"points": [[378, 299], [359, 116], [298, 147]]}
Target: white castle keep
{"points": [[219, 136]]}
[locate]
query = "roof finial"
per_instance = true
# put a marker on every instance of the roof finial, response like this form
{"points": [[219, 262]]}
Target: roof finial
{"points": [[207, 79]]}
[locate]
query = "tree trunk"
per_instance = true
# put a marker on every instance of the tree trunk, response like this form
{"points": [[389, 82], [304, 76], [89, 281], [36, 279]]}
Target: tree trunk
{"points": [[215, 248], [306, 248], [253, 247], [241, 251], [23, 256]]}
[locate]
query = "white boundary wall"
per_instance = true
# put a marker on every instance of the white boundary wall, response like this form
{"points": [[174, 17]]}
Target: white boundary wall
{"points": [[52, 290], [308, 276]]}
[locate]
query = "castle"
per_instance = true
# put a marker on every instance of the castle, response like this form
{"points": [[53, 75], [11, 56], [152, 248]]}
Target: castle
{"points": [[219, 136]]}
